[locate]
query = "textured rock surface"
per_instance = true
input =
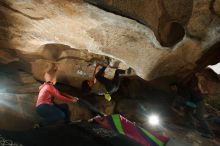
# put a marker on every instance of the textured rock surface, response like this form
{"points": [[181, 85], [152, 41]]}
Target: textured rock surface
{"points": [[216, 6], [169, 37], [36, 30], [166, 21]]}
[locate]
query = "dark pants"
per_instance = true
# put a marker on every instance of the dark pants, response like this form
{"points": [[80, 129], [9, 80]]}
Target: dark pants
{"points": [[199, 115], [53, 113], [110, 85], [217, 120]]}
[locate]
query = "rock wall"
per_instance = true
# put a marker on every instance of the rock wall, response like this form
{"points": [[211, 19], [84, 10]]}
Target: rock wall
{"points": [[172, 37]]}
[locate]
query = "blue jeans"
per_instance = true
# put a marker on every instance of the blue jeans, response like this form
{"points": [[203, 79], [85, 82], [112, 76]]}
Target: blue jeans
{"points": [[53, 113]]}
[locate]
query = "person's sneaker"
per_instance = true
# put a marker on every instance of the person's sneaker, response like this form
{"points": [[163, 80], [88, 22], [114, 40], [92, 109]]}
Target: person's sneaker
{"points": [[125, 72], [75, 122], [121, 71], [128, 71]]}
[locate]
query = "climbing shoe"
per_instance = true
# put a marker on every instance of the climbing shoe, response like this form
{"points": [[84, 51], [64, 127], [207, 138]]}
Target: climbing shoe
{"points": [[128, 71], [121, 71]]}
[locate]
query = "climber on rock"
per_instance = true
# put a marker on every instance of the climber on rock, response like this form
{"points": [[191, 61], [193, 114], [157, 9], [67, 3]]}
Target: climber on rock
{"points": [[49, 111], [100, 85]]}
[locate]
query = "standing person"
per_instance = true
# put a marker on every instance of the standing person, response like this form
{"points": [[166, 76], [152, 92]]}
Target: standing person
{"points": [[200, 110], [101, 85], [193, 103], [45, 107], [180, 97]]}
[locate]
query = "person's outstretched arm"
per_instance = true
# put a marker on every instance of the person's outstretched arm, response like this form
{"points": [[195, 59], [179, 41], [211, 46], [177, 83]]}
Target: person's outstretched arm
{"points": [[70, 96], [92, 81], [59, 96]]}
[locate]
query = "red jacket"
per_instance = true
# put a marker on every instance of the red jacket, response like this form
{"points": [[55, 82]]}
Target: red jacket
{"points": [[47, 91]]}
